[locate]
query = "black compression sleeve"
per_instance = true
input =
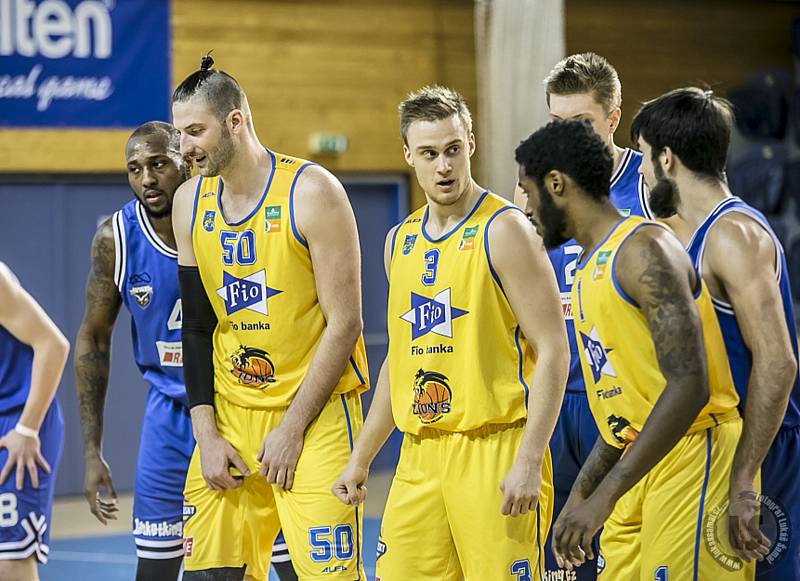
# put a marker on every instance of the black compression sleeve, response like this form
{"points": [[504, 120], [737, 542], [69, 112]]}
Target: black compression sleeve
{"points": [[199, 322]]}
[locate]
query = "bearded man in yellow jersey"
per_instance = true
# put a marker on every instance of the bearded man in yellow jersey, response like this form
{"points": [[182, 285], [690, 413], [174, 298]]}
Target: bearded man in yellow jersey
{"points": [[475, 372], [274, 361], [655, 369]]}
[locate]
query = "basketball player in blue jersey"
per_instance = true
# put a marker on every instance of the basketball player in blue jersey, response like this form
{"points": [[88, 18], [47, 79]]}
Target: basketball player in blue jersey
{"points": [[134, 262], [585, 86], [684, 136], [33, 353]]}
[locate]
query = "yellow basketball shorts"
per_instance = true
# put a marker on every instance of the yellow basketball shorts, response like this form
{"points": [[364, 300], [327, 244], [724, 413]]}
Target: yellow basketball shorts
{"points": [[442, 520], [673, 524], [238, 527]]}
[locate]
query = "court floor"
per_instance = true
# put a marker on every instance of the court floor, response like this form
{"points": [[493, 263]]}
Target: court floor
{"points": [[81, 549]]}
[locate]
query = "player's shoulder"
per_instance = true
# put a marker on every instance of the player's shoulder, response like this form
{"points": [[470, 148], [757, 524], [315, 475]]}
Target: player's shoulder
{"points": [[188, 189], [318, 186], [742, 235]]}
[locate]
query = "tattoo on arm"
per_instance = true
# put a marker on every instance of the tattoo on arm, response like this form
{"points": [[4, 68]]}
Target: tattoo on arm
{"points": [[93, 344], [671, 316], [599, 463]]}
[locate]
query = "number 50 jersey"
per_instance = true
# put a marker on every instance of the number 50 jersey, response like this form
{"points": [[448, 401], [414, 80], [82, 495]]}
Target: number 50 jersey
{"points": [[146, 275]]}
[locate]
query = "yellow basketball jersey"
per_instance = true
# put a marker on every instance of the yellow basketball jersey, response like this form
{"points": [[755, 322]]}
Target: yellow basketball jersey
{"points": [[618, 356], [457, 358], [258, 276]]}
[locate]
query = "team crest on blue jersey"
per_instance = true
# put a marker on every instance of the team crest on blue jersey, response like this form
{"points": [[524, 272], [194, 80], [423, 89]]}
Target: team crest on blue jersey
{"points": [[408, 243], [250, 292], [432, 315], [141, 290], [208, 220], [596, 356]]}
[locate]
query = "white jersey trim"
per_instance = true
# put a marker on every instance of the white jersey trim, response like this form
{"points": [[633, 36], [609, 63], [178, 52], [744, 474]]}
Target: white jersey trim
{"points": [[120, 251], [151, 235], [623, 165]]}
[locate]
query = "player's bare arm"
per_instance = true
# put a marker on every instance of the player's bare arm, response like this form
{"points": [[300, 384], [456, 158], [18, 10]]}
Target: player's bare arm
{"points": [[350, 487], [653, 269], [526, 274], [326, 221], [217, 456], [22, 316], [92, 362], [750, 286]]}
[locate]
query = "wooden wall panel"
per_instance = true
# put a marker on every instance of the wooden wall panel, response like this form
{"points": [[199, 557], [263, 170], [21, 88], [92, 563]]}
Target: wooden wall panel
{"points": [[657, 46]]}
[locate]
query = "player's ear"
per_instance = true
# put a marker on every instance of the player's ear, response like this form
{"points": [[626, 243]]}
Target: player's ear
{"points": [[667, 159], [554, 182], [236, 121], [613, 119], [407, 155], [471, 143]]}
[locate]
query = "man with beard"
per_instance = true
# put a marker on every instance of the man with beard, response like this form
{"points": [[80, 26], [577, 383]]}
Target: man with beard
{"points": [[134, 262], [684, 136], [269, 270], [473, 321], [585, 87], [655, 371]]}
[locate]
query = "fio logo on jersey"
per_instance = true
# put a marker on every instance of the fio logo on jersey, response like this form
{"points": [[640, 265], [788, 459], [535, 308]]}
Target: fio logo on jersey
{"points": [[432, 396], [432, 315], [250, 292], [596, 356], [252, 367], [208, 220], [408, 243]]}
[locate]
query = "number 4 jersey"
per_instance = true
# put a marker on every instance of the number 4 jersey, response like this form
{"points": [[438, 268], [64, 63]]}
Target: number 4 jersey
{"points": [[146, 275]]}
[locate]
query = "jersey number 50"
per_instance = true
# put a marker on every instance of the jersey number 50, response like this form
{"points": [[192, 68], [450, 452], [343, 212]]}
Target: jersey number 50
{"points": [[238, 246]]}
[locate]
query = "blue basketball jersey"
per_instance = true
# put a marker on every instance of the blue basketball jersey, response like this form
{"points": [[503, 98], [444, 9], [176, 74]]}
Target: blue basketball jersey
{"points": [[16, 359], [739, 355], [146, 275], [629, 195]]}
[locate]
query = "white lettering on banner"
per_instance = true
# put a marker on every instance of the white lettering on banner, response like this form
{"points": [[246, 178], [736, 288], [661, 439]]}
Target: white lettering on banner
{"points": [[53, 30]]}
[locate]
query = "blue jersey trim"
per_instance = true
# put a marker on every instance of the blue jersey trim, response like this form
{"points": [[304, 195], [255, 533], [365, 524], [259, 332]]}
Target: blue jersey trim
{"points": [[584, 260], [358, 532], [700, 509], [540, 556], [260, 202], [355, 368], [625, 296], [520, 366], [486, 243], [394, 238], [460, 224], [196, 201], [296, 233]]}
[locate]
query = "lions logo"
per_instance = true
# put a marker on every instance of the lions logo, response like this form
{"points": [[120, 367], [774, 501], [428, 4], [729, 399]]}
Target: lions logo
{"points": [[432, 396], [622, 429], [252, 367]]}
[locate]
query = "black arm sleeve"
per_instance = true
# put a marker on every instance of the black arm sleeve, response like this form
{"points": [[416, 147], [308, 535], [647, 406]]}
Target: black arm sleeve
{"points": [[199, 322]]}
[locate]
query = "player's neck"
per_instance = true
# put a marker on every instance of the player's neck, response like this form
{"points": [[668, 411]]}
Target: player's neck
{"points": [[442, 218], [247, 174], [616, 153], [699, 198], [592, 221], [163, 228]]}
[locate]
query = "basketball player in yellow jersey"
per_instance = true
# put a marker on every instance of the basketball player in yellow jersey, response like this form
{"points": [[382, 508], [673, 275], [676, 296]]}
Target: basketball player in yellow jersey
{"points": [[274, 361], [475, 372], [656, 375]]}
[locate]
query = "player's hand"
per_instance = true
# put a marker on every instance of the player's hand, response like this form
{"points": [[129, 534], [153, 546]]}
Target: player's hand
{"points": [[217, 456], [23, 454], [745, 536], [521, 488], [278, 455], [350, 486], [97, 477], [575, 529]]}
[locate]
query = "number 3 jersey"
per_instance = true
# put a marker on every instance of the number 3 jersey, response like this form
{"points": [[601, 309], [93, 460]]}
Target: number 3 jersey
{"points": [[259, 278], [457, 357], [146, 275]]}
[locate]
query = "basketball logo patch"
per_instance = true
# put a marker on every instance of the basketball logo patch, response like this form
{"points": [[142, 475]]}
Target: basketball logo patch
{"points": [[252, 367], [432, 396]]}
